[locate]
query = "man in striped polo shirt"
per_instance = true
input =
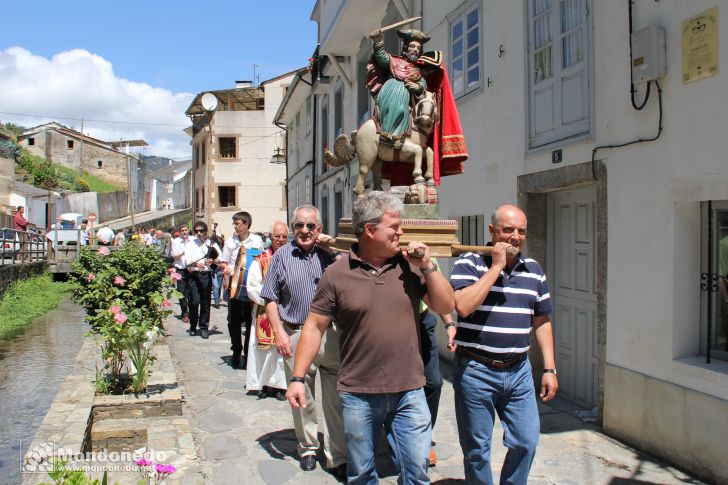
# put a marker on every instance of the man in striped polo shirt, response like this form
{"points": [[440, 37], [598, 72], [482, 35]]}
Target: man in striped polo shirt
{"points": [[288, 290], [499, 300]]}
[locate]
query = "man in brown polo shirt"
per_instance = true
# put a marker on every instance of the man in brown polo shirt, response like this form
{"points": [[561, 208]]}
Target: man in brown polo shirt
{"points": [[373, 294]]}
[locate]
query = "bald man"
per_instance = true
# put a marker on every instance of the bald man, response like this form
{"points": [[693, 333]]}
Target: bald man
{"points": [[499, 300]]}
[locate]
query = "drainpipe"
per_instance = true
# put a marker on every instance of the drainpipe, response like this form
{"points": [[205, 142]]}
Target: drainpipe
{"points": [[283, 127], [313, 151]]}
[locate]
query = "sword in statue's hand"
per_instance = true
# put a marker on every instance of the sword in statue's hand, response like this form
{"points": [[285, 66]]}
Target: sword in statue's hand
{"points": [[379, 32]]}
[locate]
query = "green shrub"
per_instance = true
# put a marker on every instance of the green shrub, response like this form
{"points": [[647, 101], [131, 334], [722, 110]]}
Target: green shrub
{"points": [[126, 293]]}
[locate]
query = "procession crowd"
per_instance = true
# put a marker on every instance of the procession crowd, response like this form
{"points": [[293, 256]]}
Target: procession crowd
{"points": [[364, 320]]}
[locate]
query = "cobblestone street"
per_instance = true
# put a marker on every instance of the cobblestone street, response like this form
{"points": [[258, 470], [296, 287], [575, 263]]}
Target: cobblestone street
{"points": [[243, 439]]}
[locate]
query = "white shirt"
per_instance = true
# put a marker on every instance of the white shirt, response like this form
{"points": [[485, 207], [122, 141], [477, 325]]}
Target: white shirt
{"points": [[148, 239], [105, 234], [178, 246], [196, 251], [230, 250]]}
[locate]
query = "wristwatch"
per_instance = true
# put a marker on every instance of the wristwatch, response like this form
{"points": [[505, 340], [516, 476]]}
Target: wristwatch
{"points": [[550, 371], [431, 269], [302, 380]]}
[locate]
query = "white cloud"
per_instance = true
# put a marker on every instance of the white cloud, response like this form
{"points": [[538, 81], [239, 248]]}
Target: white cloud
{"points": [[78, 84]]}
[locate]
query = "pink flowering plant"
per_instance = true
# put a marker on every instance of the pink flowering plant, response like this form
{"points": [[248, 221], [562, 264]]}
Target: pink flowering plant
{"points": [[127, 294], [153, 473]]}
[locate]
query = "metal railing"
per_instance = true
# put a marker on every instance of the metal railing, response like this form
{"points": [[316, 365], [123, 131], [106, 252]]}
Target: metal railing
{"points": [[19, 247]]}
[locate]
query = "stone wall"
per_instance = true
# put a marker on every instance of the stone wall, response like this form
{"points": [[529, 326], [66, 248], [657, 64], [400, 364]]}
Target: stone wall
{"points": [[113, 205], [163, 222], [113, 164], [10, 273], [54, 147], [7, 170]]}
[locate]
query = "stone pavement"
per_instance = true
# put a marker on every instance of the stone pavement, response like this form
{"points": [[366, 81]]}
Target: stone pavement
{"points": [[243, 439]]}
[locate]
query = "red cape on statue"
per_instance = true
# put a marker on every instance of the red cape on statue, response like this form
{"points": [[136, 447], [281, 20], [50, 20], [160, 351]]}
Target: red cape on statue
{"points": [[447, 140]]}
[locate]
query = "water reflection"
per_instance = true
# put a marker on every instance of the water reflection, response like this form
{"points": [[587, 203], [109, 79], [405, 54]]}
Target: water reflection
{"points": [[32, 368]]}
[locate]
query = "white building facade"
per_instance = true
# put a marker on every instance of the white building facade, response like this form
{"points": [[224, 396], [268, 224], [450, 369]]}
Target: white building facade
{"points": [[296, 115], [625, 233], [233, 147]]}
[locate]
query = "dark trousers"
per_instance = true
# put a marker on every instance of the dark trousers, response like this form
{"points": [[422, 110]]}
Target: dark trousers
{"points": [[239, 314], [182, 288], [199, 292], [431, 361]]}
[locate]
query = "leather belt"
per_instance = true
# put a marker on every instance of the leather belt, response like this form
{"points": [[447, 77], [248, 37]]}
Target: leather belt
{"points": [[498, 364]]}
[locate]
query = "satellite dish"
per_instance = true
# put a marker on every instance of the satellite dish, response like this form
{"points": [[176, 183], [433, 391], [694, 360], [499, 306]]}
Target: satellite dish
{"points": [[209, 102]]}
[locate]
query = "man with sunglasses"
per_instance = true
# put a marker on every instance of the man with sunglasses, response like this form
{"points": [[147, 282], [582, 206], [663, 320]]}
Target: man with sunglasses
{"points": [[239, 309], [199, 255], [289, 287]]}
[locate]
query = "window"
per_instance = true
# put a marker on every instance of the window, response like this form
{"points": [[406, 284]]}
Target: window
{"points": [[297, 140], [196, 155], [362, 92], [69, 144], [559, 70], [202, 199], [338, 204], [465, 37], [226, 195], [472, 230], [714, 279], [309, 101], [99, 164], [31, 141], [197, 200], [307, 188], [324, 129], [203, 151], [228, 147], [325, 211], [339, 111]]}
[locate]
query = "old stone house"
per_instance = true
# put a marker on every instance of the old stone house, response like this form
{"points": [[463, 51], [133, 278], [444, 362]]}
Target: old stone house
{"points": [[64, 146]]}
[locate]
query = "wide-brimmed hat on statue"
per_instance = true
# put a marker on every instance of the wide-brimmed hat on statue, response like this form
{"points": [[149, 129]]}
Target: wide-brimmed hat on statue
{"points": [[408, 35]]}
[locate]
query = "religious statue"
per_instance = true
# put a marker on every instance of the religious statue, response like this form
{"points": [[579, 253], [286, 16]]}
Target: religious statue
{"points": [[415, 119]]}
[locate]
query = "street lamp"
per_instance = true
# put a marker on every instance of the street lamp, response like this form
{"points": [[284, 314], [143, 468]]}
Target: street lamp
{"points": [[278, 156]]}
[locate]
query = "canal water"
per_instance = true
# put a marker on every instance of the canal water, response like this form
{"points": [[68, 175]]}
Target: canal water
{"points": [[32, 368]]}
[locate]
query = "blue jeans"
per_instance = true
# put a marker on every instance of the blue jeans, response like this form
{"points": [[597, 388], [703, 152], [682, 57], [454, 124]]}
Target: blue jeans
{"points": [[482, 391], [407, 422], [431, 361], [216, 283]]}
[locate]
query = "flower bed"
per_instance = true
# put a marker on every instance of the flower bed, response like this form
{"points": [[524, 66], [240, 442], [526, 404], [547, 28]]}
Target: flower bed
{"points": [[127, 294]]}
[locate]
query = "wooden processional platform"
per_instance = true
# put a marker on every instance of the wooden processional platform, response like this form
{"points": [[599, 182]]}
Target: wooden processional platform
{"points": [[439, 234]]}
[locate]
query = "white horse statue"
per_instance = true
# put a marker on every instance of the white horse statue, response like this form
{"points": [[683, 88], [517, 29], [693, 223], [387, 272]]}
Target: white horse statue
{"points": [[365, 143]]}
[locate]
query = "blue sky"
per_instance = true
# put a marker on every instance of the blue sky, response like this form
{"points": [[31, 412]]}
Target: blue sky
{"points": [[141, 61]]}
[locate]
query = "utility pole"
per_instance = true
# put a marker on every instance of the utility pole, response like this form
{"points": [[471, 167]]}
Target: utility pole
{"points": [[130, 192], [80, 151]]}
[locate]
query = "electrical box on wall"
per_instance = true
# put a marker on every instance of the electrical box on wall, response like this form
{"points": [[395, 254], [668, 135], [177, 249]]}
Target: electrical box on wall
{"points": [[649, 53]]}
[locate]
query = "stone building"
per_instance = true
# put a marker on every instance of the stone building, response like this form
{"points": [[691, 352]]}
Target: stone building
{"points": [[64, 146], [235, 147]]}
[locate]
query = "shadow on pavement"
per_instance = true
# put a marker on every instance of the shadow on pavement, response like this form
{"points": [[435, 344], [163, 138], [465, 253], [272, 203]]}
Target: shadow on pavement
{"points": [[280, 444]]}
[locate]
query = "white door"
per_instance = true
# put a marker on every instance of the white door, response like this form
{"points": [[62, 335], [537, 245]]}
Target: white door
{"points": [[572, 264]]}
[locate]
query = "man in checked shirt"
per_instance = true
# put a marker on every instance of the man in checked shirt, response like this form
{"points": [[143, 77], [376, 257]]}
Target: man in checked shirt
{"points": [[288, 290]]}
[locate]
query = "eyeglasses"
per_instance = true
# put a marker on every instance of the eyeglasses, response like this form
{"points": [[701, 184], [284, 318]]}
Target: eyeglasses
{"points": [[200, 231], [310, 226]]}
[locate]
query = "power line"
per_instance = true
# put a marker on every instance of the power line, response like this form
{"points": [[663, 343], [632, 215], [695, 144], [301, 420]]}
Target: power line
{"points": [[86, 120], [93, 121]]}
